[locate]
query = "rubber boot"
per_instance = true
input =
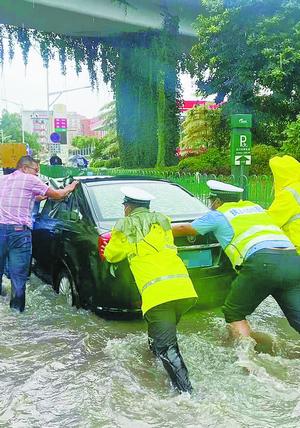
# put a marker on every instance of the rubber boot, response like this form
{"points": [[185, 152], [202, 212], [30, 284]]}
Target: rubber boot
{"points": [[174, 364], [18, 303]]}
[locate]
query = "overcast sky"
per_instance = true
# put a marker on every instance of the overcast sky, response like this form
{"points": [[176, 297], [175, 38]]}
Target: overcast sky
{"points": [[28, 86]]}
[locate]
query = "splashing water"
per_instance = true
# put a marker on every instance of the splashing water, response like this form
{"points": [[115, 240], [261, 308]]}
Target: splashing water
{"points": [[63, 367]]}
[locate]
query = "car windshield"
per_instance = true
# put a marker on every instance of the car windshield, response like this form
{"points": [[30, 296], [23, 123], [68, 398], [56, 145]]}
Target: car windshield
{"points": [[170, 199]]}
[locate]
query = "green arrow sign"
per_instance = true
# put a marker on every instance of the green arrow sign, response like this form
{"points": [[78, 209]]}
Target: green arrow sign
{"points": [[242, 160]]}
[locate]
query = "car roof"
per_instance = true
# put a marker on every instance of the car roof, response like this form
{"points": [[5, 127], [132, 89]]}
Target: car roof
{"points": [[105, 178]]}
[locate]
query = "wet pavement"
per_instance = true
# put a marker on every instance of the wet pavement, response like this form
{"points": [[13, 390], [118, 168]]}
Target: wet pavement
{"points": [[63, 367]]}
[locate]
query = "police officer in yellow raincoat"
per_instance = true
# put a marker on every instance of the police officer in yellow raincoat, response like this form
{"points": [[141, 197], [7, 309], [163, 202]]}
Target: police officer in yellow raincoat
{"points": [[285, 209], [266, 261], [167, 292]]}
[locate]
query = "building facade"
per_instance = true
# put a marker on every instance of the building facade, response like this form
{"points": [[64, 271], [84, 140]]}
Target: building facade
{"points": [[37, 122]]}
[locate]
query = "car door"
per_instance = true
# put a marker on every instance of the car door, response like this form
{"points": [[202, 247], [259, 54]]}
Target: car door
{"points": [[46, 238], [80, 247]]}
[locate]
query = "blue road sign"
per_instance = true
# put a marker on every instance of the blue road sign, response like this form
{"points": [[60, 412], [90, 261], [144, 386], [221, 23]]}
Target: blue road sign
{"points": [[55, 137]]}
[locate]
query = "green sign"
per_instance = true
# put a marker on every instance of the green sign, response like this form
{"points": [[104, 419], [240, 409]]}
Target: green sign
{"points": [[241, 147], [241, 121]]}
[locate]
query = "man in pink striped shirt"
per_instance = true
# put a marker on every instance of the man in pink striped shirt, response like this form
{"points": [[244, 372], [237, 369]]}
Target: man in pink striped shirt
{"points": [[18, 192]]}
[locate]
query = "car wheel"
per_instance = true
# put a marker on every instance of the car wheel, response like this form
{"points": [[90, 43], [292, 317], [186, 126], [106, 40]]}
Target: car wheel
{"points": [[64, 285]]}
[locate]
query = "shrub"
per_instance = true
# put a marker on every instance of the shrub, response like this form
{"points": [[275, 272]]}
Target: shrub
{"points": [[97, 163], [261, 154], [212, 161], [112, 163]]}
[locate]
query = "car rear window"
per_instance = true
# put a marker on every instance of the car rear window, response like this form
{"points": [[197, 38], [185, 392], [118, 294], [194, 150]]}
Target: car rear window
{"points": [[170, 199]]}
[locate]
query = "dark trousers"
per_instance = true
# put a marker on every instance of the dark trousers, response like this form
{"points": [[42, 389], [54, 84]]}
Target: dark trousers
{"points": [[266, 272], [15, 246], [162, 321]]}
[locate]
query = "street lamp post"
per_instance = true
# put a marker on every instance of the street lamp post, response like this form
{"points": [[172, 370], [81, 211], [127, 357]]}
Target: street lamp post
{"points": [[22, 117], [58, 93]]}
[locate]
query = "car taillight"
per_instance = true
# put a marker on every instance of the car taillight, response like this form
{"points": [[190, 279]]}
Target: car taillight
{"points": [[102, 242]]}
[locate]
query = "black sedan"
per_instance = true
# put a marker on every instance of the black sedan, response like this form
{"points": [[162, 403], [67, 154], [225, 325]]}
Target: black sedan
{"points": [[67, 238]]}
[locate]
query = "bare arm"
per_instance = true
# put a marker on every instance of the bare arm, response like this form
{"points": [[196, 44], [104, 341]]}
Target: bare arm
{"points": [[40, 198], [183, 229], [61, 193]]}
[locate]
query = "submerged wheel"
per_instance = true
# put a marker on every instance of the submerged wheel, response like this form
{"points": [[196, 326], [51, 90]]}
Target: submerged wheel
{"points": [[64, 285]]}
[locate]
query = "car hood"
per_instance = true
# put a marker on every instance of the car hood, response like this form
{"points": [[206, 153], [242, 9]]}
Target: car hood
{"points": [[107, 225]]}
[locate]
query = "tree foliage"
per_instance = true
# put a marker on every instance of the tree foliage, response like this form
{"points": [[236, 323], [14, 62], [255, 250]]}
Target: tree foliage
{"points": [[205, 127], [83, 142], [11, 125], [261, 154], [106, 147], [292, 144], [143, 69], [247, 48], [196, 128], [107, 114]]}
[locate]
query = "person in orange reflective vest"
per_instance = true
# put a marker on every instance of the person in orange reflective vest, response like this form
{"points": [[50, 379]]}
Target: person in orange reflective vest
{"points": [[264, 258], [167, 292]]}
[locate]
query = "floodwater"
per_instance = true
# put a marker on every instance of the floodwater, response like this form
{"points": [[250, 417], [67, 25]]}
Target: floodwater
{"points": [[63, 367]]}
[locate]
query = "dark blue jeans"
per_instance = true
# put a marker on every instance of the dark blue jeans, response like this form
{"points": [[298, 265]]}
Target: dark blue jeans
{"points": [[15, 246], [266, 272]]}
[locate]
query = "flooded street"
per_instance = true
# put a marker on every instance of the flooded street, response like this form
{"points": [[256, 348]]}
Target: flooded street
{"points": [[63, 367]]}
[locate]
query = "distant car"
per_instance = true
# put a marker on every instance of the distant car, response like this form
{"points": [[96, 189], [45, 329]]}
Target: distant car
{"points": [[67, 237], [77, 161]]}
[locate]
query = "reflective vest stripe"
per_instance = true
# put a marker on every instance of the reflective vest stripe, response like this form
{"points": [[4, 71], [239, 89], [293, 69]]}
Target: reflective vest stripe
{"points": [[293, 218], [163, 278], [295, 193], [297, 197], [231, 249], [259, 229], [255, 229]]}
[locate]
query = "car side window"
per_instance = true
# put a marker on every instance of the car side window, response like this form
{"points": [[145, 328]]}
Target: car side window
{"points": [[47, 207], [54, 208], [58, 209], [41, 205], [76, 209]]}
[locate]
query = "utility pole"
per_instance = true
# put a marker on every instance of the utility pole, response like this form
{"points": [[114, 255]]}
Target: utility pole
{"points": [[58, 93]]}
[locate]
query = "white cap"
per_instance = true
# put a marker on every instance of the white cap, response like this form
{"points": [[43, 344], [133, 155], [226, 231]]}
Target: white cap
{"points": [[224, 191], [136, 196]]}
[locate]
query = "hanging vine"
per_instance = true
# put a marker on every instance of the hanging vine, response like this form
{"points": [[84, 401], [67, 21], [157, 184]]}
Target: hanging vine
{"points": [[143, 69], [1, 48]]}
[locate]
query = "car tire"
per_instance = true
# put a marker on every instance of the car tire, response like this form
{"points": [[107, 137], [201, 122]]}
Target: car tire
{"points": [[65, 286]]}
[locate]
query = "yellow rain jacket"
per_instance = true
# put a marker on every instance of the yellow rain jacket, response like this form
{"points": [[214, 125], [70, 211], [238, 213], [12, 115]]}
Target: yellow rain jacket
{"points": [[285, 209], [146, 239]]}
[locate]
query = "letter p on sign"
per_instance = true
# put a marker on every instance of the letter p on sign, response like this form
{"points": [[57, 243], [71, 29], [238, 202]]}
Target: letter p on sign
{"points": [[243, 141]]}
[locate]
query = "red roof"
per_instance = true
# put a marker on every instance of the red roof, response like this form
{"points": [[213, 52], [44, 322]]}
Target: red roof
{"points": [[187, 105]]}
